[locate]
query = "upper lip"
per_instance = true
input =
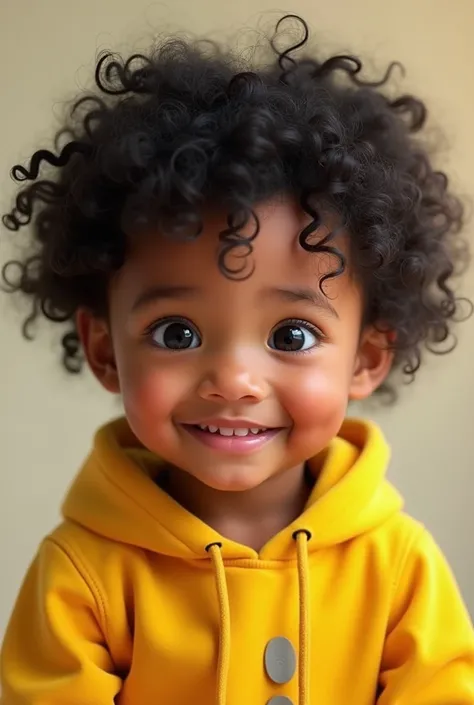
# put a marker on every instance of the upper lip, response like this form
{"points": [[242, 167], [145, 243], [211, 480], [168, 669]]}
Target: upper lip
{"points": [[231, 423]]}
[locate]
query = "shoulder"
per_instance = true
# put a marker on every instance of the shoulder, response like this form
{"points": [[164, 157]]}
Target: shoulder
{"points": [[102, 562], [412, 541], [109, 568], [385, 549]]}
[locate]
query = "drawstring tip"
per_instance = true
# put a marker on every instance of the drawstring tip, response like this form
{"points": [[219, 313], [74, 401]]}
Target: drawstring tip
{"points": [[302, 538]]}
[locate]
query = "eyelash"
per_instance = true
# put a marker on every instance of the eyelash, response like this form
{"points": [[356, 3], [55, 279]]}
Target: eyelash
{"points": [[317, 332], [149, 330], [166, 319]]}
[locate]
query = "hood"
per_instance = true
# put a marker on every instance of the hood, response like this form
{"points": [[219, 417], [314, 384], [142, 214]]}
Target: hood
{"points": [[115, 496]]}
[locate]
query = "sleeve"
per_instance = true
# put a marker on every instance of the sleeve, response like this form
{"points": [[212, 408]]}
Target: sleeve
{"points": [[428, 657], [54, 650]]}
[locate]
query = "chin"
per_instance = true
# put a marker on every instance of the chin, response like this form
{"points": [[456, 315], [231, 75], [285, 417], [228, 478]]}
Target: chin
{"points": [[232, 482]]}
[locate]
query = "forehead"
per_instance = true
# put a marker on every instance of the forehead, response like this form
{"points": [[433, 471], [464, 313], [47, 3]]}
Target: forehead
{"points": [[277, 257]]}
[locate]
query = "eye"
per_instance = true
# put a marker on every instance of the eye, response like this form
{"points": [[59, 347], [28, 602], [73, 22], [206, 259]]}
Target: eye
{"points": [[294, 336], [175, 334]]}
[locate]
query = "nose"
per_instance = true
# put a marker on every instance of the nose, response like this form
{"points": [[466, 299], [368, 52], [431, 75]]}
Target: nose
{"points": [[228, 379]]}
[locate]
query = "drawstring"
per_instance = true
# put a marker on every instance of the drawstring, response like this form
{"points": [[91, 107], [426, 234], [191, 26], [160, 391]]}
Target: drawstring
{"points": [[214, 549], [302, 538]]}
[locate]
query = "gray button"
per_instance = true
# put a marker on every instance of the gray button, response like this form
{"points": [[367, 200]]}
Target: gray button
{"points": [[280, 662], [280, 700]]}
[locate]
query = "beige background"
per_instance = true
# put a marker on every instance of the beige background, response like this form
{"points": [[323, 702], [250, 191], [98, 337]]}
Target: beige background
{"points": [[47, 50]]}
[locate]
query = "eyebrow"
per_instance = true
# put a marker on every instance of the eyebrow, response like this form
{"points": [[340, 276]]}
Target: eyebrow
{"points": [[161, 293], [290, 295], [303, 294]]}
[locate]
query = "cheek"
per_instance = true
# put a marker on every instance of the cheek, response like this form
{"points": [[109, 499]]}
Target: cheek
{"points": [[316, 398], [151, 390]]}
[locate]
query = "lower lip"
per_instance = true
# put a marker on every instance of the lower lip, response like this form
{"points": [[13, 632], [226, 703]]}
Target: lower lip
{"points": [[233, 444]]}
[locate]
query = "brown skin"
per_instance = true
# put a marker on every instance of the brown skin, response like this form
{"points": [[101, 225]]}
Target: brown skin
{"points": [[234, 373]]}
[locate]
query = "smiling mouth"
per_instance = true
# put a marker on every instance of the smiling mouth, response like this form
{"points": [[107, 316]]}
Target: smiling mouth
{"points": [[228, 432], [226, 439]]}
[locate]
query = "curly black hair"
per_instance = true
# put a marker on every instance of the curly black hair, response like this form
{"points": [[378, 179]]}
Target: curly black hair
{"points": [[186, 127]]}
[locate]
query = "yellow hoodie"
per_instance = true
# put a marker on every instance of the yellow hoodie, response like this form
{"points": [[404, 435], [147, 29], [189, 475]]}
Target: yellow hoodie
{"points": [[134, 601]]}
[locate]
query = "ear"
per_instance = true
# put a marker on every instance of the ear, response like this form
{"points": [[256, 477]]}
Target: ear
{"points": [[373, 363], [94, 334]]}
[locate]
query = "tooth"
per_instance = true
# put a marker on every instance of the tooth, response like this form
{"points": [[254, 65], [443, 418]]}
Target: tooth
{"points": [[226, 431], [203, 427], [241, 431], [212, 429], [255, 431]]}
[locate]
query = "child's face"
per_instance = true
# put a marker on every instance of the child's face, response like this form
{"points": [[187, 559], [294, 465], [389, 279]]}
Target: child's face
{"points": [[269, 352]]}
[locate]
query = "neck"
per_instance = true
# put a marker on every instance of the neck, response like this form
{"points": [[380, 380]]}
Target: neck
{"points": [[250, 517]]}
